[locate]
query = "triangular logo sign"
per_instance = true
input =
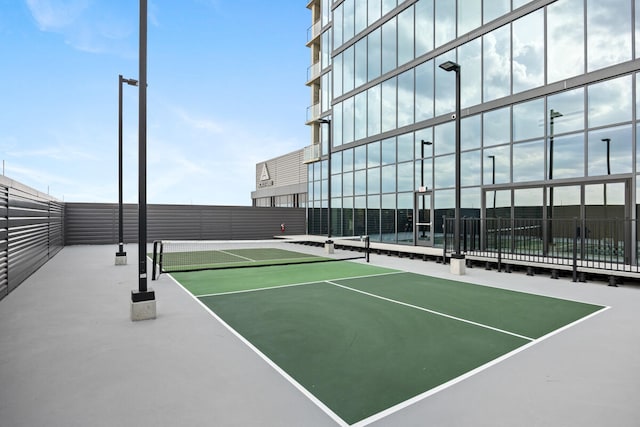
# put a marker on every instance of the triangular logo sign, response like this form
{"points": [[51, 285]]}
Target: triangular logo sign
{"points": [[265, 173]]}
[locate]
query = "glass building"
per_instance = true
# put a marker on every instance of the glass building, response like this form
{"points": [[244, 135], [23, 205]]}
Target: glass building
{"points": [[549, 113]]}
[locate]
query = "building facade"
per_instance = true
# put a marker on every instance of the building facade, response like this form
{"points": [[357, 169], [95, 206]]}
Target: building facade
{"points": [[281, 182], [549, 101]]}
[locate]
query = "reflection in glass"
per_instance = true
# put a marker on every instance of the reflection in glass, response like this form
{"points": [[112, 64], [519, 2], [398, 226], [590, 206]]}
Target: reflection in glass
{"points": [[361, 15], [389, 46], [405, 36], [359, 219], [361, 62], [565, 40], [347, 120], [373, 154], [444, 138], [337, 26], [389, 179], [388, 218], [528, 51], [502, 172], [424, 91], [444, 171], [348, 75], [373, 180], [374, 60], [389, 95], [405, 176], [389, 151], [347, 184], [492, 9], [360, 116], [567, 111], [527, 203], [446, 86], [609, 151], [347, 216], [374, 7], [528, 161], [470, 59], [360, 182], [496, 55], [445, 22], [470, 132], [424, 27], [405, 217], [471, 162], [349, 19], [568, 157], [608, 33], [360, 157], [347, 160], [610, 102], [373, 111], [405, 147], [405, 98], [496, 127], [469, 13], [528, 120]]}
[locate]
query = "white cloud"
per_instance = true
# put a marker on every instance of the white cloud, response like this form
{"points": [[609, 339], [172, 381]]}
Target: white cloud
{"points": [[87, 25]]}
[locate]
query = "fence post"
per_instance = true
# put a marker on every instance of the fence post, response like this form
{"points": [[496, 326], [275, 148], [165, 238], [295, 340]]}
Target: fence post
{"points": [[499, 243], [444, 239], [575, 248]]}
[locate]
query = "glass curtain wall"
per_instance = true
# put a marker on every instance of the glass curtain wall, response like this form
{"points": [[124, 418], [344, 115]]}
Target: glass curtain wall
{"points": [[529, 143]]}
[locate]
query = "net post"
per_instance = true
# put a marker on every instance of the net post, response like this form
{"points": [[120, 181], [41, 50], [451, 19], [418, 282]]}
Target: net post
{"points": [[367, 247], [155, 258]]}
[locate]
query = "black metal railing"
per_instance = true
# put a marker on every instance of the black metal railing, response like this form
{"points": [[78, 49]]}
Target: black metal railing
{"points": [[576, 243]]}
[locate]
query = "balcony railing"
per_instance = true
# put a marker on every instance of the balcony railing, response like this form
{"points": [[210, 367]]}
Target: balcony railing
{"points": [[313, 72], [314, 31], [313, 113], [311, 153]]}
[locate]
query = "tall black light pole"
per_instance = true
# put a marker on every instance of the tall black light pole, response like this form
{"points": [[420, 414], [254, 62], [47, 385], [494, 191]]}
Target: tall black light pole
{"points": [[493, 180], [452, 66], [121, 255], [552, 116], [328, 123], [608, 141], [143, 300]]}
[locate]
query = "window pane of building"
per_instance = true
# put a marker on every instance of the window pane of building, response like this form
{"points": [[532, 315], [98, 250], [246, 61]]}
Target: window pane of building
{"points": [[389, 104], [424, 91], [405, 176], [470, 132], [374, 102], [347, 184], [388, 151], [373, 180], [389, 46], [348, 120], [470, 174], [360, 157], [373, 154], [360, 115], [405, 147], [469, 13], [608, 151], [610, 102], [528, 120], [527, 203], [349, 19], [405, 36], [405, 98], [502, 156], [528, 161], [374, 11], [348, 69], [337, 26], [471, 79], [405, 217], [496, 48], [445, 86], [361, 62], [444, 138], [374, 60], [565, 39], [495, 128], [445, 22], [424, 26], [388, 218], [389, 179], [444, 171], [361, 15], [568, 156], [388, 5], [528, 51], [608, 33], [567, 111], [492, 9], [360, 182]]}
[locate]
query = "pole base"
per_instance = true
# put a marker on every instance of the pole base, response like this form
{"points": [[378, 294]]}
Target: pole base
{"points": [[329, 247], [457, 265], [143, 305], [121, 258]]}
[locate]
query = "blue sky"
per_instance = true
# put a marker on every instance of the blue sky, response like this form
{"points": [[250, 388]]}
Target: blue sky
{"points": [[226, 90]]}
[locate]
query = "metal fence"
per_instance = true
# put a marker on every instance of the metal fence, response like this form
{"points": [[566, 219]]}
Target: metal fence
{"points": [[579, 245], [31, 232]]}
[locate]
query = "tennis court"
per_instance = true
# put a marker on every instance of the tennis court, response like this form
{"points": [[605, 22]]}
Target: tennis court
{"points": [[363, 341]]}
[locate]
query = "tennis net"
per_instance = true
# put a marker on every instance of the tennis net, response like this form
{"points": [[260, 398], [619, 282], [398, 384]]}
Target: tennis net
{"points": [[193, 255]]}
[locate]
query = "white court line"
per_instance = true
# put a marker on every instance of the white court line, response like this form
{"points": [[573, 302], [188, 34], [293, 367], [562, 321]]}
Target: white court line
{"points": [[438, 313], [382, 414], [295, 284], [237, 256]]}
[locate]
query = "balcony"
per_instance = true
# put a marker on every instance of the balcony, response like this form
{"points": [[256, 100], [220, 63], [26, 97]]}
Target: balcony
{"points": [[313, 72], [313, 33], [313, 113], [311, 153]]}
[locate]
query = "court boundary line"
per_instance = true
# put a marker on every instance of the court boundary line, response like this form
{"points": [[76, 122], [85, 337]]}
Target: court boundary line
{"points": [[437, 313], [335, 417], [294, 284], [402, 405]]}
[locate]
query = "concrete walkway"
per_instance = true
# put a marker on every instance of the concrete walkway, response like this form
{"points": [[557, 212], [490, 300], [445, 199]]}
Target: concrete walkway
{"points": [[71, 356]]}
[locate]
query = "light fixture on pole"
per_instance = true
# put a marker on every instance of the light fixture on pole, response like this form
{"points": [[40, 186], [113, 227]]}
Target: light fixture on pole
{"points": [[458, 256], [329, 142], [121, 255]]}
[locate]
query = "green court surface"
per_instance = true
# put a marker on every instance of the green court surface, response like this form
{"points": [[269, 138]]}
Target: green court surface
{"points": [[362, 339]]}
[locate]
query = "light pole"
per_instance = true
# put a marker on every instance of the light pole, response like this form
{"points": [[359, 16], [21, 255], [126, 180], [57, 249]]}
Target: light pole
{"points": [[552, 116], [608, 141], [143, 301], [493, 180], [328, 123], [121, 255], [452, 66]]}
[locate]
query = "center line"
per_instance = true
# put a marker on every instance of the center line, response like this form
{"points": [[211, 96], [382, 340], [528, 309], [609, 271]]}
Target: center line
{"points": [[432, 311]]}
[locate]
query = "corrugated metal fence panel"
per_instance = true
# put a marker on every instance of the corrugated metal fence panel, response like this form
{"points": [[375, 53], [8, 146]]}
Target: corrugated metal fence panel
{"points": [[93, 223], [4, 243]]}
